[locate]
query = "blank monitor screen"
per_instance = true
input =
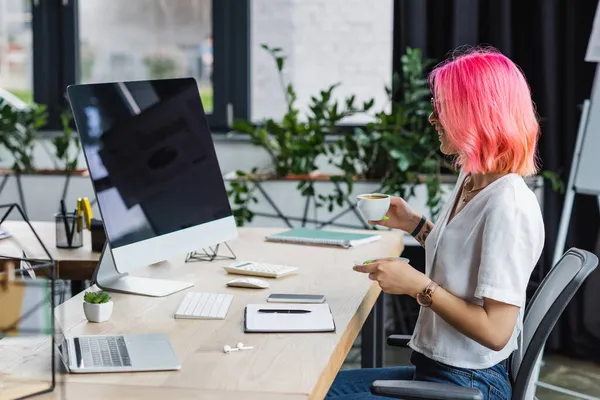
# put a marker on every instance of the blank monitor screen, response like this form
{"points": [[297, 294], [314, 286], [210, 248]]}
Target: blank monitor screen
{"points": [[150, 156]]}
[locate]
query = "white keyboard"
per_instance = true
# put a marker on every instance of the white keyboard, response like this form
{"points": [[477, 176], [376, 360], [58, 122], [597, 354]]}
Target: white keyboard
{"points": [[260, 269], [204, 306]]}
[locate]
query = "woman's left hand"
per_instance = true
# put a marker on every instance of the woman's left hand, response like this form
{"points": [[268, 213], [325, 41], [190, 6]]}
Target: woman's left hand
{"points": [[395, 276]]}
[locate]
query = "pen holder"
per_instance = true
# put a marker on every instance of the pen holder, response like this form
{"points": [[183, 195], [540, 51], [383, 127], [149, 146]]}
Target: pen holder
{"points": [[69, 231]]}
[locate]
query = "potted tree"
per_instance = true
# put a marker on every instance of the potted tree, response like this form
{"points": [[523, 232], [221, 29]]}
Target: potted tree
{"points": [[97, 306]]}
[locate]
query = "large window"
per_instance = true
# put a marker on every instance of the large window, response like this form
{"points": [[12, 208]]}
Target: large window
{"points": [[147, 39], [16, 48], [46, 45], [325, 41]]}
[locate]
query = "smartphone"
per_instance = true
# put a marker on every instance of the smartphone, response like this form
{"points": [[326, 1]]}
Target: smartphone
{"points": [[296, 298]]}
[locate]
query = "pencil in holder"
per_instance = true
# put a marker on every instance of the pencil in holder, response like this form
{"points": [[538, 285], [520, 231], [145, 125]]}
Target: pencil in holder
{"points": [[69, 232]]}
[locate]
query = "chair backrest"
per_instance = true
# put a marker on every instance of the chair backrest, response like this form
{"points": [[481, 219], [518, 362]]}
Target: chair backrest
{"points": [[547, 304]]}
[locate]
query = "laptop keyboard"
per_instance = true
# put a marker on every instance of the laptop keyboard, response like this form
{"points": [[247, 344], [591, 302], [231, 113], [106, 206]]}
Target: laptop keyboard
{"points": [[102, 351]]}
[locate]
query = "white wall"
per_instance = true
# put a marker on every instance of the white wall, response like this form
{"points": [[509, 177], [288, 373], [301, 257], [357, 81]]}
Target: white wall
{"points": [[325, 41]]}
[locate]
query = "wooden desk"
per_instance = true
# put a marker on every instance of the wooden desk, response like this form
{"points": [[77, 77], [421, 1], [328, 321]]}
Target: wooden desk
{"points": [[282, 366], [71, 264]]}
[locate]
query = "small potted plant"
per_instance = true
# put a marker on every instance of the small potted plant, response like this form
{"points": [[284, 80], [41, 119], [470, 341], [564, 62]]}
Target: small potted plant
{"points": [[97, 306]]}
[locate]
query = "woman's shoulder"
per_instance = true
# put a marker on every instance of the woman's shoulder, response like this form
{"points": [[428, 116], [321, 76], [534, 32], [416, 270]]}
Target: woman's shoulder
{"points": [[514, 205], [511, 196]]}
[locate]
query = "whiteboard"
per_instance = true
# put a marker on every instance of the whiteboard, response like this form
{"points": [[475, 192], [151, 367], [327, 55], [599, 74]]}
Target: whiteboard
{"points": [[587, 177], [593, 50]]}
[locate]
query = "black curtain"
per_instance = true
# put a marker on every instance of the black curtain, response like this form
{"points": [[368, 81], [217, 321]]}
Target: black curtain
{"points": [[548, 40]]}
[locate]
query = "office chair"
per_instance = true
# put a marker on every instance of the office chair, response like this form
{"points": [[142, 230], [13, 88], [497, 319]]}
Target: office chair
{"points": [[547, 304]]}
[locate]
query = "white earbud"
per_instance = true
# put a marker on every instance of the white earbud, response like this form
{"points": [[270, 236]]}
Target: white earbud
{"points": [[240, 346], [227, 349]]}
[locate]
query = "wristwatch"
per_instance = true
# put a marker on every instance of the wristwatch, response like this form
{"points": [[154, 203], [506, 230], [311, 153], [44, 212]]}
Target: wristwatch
{"points": [[425, 297]]}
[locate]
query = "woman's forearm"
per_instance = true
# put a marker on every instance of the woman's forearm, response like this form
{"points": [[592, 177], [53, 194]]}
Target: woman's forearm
{"points": [[423, 232], [491, 327]]}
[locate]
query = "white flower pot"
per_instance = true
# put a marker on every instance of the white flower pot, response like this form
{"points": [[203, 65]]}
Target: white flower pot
{"points": [[98, 312]]}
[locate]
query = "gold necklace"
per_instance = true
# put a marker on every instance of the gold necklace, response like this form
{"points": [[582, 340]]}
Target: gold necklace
{"points": [[467, 193]]}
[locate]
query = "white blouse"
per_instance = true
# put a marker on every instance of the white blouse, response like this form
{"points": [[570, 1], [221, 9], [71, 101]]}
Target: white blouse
{"points": [[488, 249]]}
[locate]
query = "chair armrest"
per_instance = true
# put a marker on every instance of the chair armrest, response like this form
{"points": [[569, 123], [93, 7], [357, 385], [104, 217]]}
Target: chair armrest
{"points": [[416, 390], [398, 340]]}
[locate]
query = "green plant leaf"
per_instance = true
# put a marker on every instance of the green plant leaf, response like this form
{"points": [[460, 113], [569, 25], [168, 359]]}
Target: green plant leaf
{"points": [[280, 63], [96, 297], [243, 127], [555, 180]]}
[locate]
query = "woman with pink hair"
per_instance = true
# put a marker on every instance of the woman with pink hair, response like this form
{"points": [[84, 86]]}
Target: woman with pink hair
{"points": [[483, 248]]}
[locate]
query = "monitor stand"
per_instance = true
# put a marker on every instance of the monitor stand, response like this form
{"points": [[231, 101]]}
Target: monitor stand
{"points": [[107, 277]]}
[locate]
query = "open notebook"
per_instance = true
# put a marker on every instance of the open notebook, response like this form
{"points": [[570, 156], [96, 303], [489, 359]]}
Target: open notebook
{"points": [[323, 237], [319, 319]]}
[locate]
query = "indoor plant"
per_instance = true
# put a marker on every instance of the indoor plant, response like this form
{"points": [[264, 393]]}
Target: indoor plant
{"points": [[400, 149], [66, 146], [294, 142], [18, 132], [97, 306], [22, 180]]}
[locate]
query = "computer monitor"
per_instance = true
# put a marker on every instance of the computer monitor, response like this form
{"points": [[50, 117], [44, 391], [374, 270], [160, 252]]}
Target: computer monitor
{"points": [[155, 174]]}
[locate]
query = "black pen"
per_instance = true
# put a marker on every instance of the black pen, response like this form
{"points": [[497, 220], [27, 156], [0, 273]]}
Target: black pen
{"points": [[279, 311], [63, 210]]}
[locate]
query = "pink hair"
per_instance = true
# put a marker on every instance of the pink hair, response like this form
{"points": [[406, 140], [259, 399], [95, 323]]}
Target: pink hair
{"points": [[485, 107]]}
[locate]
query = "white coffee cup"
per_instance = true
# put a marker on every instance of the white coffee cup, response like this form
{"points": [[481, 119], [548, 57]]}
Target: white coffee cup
{"points": [[373, 206]]}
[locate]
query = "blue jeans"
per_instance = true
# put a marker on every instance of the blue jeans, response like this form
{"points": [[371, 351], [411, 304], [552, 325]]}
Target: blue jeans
{"points": [[493, 382]]}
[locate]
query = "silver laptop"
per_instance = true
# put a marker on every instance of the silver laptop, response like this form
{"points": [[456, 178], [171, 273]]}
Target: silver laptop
{"points": [[118, 353]]}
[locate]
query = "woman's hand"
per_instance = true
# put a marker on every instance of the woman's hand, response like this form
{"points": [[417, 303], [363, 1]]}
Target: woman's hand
{"points": [[400, 216], [491, 325], [395, 276]]}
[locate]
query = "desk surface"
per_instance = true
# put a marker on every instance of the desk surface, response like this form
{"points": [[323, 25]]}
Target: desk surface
{"points": [[77, 264], [282, 366]]}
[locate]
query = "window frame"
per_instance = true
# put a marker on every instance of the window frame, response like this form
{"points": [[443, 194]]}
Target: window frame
{"points": [[56, 62]]}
